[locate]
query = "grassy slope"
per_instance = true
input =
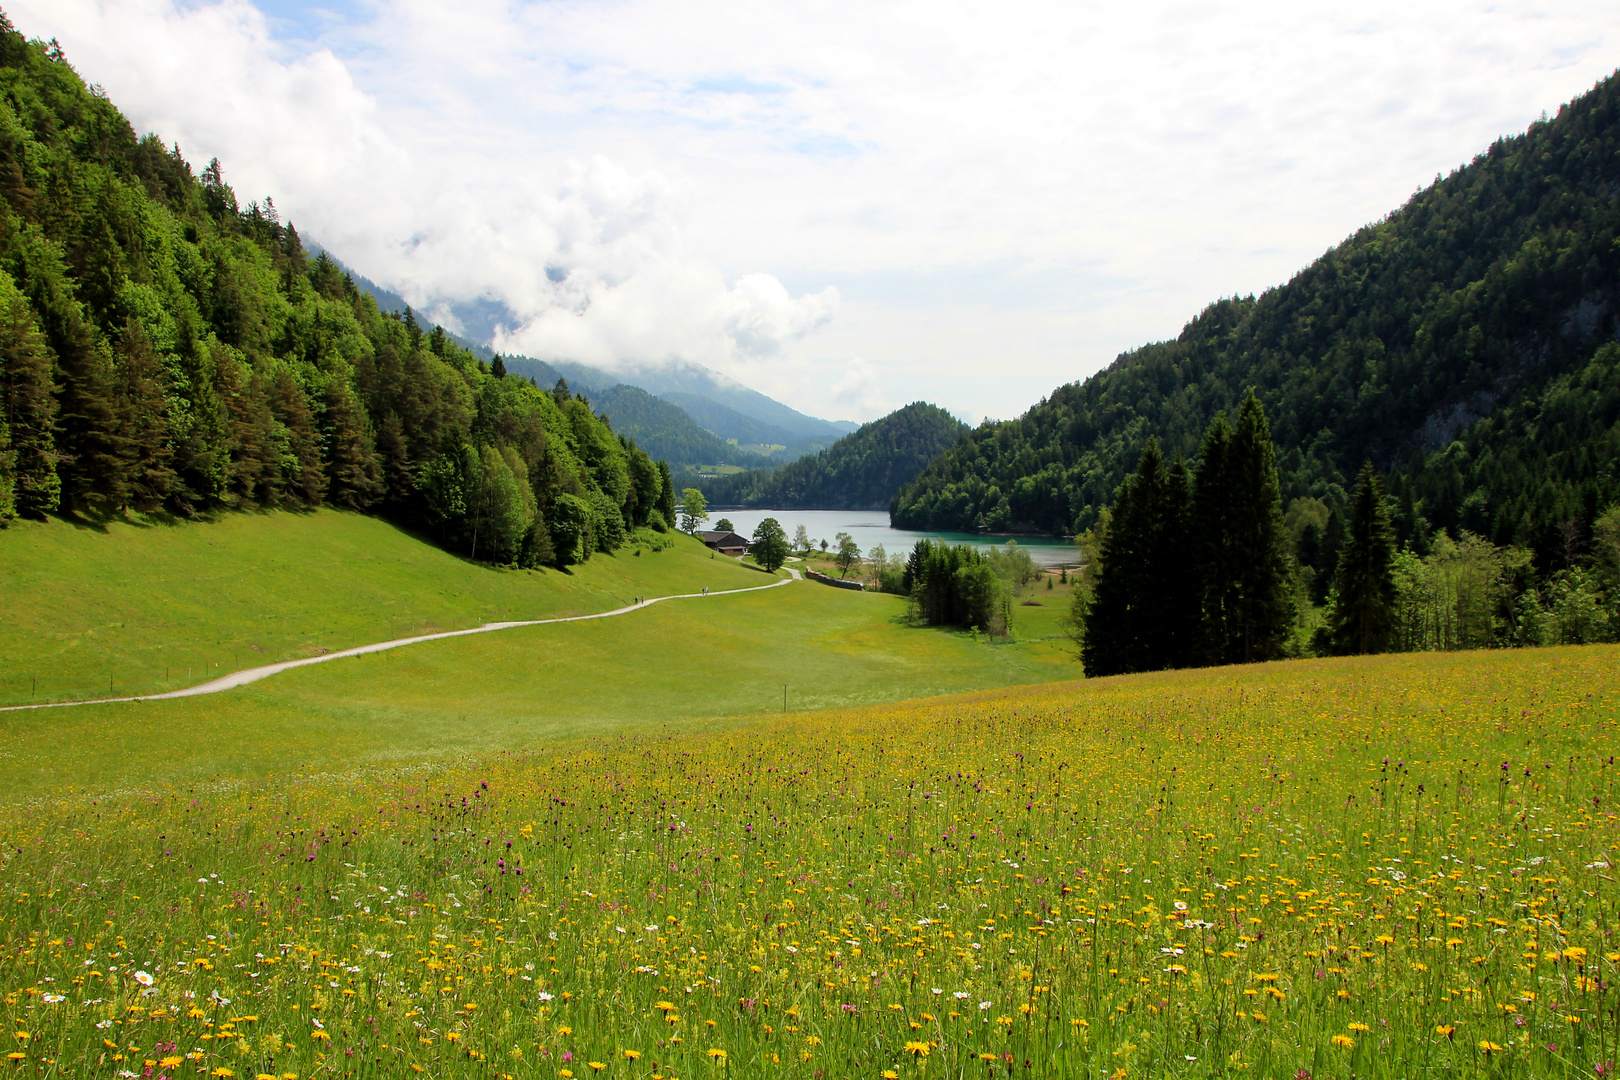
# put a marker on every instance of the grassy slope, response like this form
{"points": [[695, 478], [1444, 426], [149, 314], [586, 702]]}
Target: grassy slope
{"points": [[680, 661], [141, 596], [140, 607], [1346, 826]]}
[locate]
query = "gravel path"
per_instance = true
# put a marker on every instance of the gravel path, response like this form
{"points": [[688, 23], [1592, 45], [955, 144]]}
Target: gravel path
{"points": [[251, 675]]}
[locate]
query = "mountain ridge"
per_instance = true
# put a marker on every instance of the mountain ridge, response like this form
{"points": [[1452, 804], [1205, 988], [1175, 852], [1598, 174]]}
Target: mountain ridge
{"points": [[861, 471]]}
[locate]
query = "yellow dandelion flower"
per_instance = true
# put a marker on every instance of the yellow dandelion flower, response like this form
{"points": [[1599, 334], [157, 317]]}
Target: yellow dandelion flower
{"points": [[1344, 1042]]}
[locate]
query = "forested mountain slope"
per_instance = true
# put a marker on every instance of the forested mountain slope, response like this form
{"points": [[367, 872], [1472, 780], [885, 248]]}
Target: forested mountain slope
{"points": [[166, 350], [861, 471], [728, 423], [1482, 294], [665, 431]]}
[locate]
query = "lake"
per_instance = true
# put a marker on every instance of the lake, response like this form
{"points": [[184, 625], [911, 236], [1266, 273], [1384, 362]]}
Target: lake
{"points": [[871, 527]]}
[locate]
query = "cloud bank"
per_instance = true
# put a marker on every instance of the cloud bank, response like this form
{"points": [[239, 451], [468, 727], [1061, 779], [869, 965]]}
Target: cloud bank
{"points": [[847, 205]]}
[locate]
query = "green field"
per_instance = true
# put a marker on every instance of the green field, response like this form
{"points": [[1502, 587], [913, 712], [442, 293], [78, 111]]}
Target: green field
{"points": [[601, 848], [1395, 867], [134, 599], [655, 669], [149, 608]]}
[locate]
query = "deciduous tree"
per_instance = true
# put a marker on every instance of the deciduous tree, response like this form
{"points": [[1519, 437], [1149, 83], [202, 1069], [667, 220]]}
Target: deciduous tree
{"points": [[770, 546]]}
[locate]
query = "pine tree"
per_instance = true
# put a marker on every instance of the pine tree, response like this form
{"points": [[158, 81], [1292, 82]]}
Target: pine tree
{"points": [[200, 432], [30, 405], [8, 475], [355, 473], [1172, 630], [97, 454], [1109, 646], [394, 448], [1215, 549], [1245, 567], [666, 494], [253, 467], [301, 472], [146, 418], [1143, 614], [1364, 587]]}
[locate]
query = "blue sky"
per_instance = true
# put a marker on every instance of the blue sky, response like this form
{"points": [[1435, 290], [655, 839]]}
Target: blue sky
{"points": [[847, 205]]}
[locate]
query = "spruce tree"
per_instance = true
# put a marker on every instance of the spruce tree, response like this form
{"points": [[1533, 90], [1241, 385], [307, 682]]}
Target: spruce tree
{"points": [[1364, 600], [146, 418], [301, 473], [1266, 596], [1109, 644], [393, 447], [1246, 569], [1143, 615], [253, 468], [666, 493], [8, 475], [352, 465], [1172, 629], [1215, 551], [96, 451], [30, 405]]}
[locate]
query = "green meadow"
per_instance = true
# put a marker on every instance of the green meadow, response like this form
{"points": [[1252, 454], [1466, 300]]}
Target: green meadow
{"points": [[700, 661], [146, 608]]}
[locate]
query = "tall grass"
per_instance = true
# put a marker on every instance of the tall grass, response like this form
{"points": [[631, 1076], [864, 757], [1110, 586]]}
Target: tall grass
{"points": [[1389, 868]]}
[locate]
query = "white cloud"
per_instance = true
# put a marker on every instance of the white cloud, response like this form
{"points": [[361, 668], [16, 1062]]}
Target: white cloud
{"points": [[857, 392], [980, 201]]}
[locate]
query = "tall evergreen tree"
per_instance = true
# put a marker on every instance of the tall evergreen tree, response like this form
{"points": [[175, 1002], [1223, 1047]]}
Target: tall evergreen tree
{"points": [[1173, 634], [666, 492], [30, 405], [355, 474], [252, 472], [8, 475], [301, 471], [146, 418], [1246, 566], [1143, 616], [1215, 549], [394, 448], [1364, 587]]}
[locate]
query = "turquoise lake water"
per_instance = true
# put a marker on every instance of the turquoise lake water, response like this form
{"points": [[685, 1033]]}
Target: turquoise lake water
{"points": [[871, 527]]}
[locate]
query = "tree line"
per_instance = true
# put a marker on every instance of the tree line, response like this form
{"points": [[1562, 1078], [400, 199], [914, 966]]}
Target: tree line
{"points": [[165, 350]]}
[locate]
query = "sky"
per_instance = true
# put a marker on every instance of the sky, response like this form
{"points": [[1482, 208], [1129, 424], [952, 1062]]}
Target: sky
{"points": [[846, 205]]}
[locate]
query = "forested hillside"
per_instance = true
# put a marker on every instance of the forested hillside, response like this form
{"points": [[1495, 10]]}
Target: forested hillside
{"points": [[728, 423], [1491, 293], [167, 350], [665, 431], [861, 471]]}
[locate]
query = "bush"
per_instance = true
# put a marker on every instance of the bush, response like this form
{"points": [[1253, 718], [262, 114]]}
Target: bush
{"points": [[648, 539]]}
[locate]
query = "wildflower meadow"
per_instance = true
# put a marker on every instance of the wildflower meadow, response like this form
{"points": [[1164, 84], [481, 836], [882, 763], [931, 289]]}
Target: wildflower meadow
{"points": [[1391, 867]]}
